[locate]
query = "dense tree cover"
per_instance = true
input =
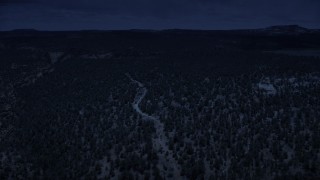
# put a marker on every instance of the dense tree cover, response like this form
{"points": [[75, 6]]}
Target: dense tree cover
{"points": [[74, 119]]}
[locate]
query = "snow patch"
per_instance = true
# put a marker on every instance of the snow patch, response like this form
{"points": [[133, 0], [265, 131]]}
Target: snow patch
{"points": [[55, 56], [269, 88]]}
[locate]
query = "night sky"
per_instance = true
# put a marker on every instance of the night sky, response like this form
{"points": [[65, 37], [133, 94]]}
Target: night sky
{"points": [[156, 14]]}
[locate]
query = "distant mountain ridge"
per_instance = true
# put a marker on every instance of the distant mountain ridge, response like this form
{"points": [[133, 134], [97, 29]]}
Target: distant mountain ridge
{"points": [[288, 29], [275, 29], [278, 30]]}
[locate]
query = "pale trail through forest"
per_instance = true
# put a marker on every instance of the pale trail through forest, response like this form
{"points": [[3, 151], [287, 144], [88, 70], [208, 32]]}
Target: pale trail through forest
{"points": [[160, 141]]}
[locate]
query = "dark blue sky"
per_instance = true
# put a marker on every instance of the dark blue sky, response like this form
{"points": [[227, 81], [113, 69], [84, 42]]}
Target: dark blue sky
{"points": [[156, 14]]}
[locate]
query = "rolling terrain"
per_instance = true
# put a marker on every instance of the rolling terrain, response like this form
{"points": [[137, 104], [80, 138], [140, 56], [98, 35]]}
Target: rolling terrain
{"points": [[169, 104]]}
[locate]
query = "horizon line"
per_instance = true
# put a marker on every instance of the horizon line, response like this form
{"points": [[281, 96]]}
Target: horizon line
{"points": [[155, 29]]}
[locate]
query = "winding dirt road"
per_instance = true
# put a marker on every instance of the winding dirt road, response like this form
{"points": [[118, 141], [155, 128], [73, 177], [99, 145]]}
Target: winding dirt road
{"points": [[160, 141]]}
